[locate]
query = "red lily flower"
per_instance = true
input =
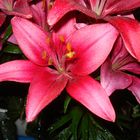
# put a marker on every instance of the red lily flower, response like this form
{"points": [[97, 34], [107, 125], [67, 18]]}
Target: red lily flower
{"points": [[62, 59], [107, 10], [114, 71], [16, 7]]}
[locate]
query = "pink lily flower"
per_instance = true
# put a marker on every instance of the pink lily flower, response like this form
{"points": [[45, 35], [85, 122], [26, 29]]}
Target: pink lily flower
{"points": [[107, 10], [61, 59], [16, 7], [39, 13], [114, 71]]}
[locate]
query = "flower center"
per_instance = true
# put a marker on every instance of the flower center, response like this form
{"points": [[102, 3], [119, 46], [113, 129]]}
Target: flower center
{"points": [[61, 56]]}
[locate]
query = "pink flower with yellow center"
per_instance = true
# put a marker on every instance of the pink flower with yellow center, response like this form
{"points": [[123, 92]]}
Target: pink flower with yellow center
{"points": [[58, 60], [114, 12]]}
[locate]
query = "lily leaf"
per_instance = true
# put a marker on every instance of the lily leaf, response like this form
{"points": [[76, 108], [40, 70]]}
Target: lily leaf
{"points": [[62, 121], [8, 32], [136, 111], [76, 119], [66, 103], [11, 48]]}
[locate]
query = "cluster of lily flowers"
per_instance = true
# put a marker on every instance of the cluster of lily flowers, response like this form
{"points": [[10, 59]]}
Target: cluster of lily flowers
{"points": [[65, 42]]}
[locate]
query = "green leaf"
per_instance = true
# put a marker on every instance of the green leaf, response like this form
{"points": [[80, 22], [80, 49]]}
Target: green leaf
{"points": [[62, 121], [136, 111], [76, 114], [65, 134], [66, 103], [105, 135], [84, 127], [95, 123], [11, 48], [8, 32]]}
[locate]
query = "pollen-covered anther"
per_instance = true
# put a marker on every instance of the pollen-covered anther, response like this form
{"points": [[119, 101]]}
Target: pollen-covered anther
{"points": [[70, 53], [62, 39], [48, 40], [44, 55], [50, 61], [68, 47]]}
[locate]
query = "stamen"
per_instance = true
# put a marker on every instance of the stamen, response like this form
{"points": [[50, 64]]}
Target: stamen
{"points": [[61, 37], [69, 48], [48, 40], [70, 54], [44, 55], [50, 61]]}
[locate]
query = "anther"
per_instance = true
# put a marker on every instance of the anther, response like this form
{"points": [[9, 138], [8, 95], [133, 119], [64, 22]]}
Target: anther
{"points": [[69, 53], [44, 55], [48, 40], [50, 62], [68, 46], [61, 37]]}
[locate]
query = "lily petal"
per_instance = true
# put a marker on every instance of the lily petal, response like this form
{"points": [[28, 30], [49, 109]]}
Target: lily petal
{"points": [[17, 70], [44, 89], [6, 4], [133, 67], [2, 18], [65, 29], [18, 8], [120, 6], [135, 88], [31, 39], [39, 14], [22, 8], [112, 80], [61, 7], [90, 93], [130, 32], [91, 45]]}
